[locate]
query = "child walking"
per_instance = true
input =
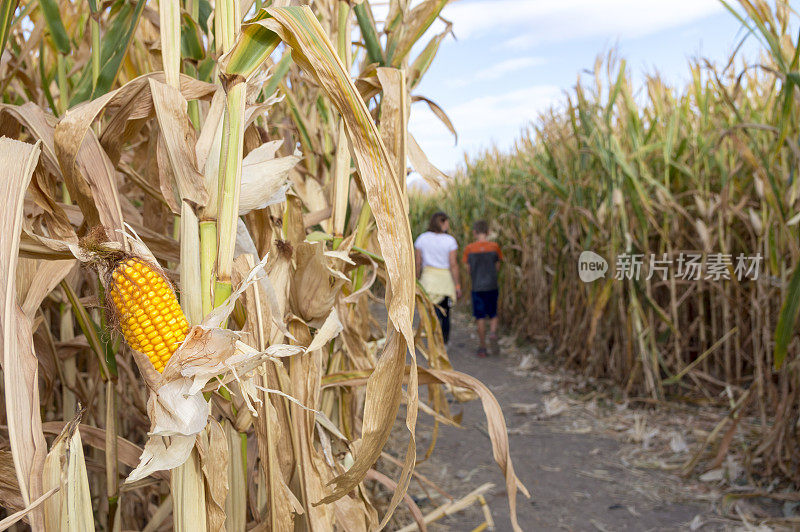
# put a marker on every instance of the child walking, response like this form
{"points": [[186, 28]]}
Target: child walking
{"points": [[483, 259], [437, 268]]}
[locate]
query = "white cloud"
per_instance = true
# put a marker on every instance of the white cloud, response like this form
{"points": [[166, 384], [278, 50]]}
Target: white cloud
{"points": [[498, 70], [497, 116], [480, 122], [518, 106], [565, 20], [508, 66]]}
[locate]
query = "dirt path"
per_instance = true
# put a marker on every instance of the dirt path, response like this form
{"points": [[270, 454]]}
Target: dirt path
{"points": [[577, 475]]}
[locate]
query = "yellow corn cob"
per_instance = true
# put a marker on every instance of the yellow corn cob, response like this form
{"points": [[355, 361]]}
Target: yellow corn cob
{"points": [[150, 316]]}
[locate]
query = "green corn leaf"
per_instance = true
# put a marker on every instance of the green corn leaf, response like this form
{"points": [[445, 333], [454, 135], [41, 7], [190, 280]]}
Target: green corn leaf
{"points": [[787, 319], [114, 47], [254, 45], [7, 8], [277, 76], [371, 41], [191, 39], [205, 10], [416, 24], [205, 70], [425, 58], [109, 355], [300, 122], [343, 39], [54, 24], [92, 332], [46, 79], [549, 181], [322, 110]]}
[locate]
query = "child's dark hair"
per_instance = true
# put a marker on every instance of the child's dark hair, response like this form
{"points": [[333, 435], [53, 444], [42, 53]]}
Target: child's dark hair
{"points": [[437, 221], [481, 227]]}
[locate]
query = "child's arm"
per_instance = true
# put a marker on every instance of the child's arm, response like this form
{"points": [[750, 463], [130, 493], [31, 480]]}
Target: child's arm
{"points": [[454, 272], [417, 262]]}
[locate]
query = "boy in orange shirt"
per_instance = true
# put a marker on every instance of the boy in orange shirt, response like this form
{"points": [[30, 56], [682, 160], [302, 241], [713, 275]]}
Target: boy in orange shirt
{"points": [[483, 258]]}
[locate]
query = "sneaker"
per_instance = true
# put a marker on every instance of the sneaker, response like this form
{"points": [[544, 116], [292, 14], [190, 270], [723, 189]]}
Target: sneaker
{"points": [[481, 352]]}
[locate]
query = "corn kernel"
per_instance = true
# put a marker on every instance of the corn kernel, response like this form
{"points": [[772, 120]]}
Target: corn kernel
{"points": [[150, 316]]}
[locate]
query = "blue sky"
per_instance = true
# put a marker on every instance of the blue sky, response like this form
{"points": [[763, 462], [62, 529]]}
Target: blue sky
{"points": [[515, 58]]}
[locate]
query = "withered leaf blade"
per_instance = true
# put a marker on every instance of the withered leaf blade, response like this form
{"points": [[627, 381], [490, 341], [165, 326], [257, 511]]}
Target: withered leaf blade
{"points": [[70, 508], [20, 367], [179, 139], [312, 49]]}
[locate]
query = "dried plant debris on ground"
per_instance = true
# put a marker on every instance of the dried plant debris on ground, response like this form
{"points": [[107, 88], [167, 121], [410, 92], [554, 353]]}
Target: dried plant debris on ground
{"points": [[649, 177], [595, 460], [689, 441]]}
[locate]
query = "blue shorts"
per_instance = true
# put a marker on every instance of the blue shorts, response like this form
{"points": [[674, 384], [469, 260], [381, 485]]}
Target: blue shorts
{"points": [[484, 304]]}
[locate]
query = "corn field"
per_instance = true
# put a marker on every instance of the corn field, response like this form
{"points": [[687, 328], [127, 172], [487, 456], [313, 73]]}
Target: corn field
{"points": [[710, 168], [198, 202]]}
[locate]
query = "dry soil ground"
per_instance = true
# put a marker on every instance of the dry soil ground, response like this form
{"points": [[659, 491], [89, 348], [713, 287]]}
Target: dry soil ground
{"points": [[581, 474]]}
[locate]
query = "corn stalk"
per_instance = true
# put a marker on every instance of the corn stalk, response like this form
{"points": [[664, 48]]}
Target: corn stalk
{"points": [[178, 138], [708, 168]]}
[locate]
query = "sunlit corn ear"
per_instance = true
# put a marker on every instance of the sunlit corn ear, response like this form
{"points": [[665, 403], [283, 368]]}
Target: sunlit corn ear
{"points": [[193, 176], [148, 311], [185, 360]]}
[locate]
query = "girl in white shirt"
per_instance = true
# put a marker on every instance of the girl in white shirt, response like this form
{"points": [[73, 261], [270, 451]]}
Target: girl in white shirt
{"points": [[437, 268]]}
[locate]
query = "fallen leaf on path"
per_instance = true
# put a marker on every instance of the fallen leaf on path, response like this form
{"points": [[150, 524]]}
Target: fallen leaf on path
{"points": [[599, 526], [715, 475], [696, 523], [526, 364], [554, 406], [524, 408], [678, 444]]}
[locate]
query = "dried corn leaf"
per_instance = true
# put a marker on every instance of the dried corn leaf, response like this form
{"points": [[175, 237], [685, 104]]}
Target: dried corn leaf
{"points": [[265, 177], [87, 170], [214, 459], [70, 508], [179, 140], [127, 453], [93, 186], [316, 285], [47, 275], [40, 126], [20, 368], [440, 114], [10, 496], [432, 175], [394, 118], [498, 432], [314, 52], [236, 497]]}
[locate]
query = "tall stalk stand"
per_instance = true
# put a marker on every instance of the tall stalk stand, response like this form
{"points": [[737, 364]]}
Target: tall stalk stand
{"points": [[186, 481], [230, 161]]}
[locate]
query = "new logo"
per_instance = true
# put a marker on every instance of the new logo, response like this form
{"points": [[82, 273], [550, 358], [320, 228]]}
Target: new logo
{"points": [[591, 266]]}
